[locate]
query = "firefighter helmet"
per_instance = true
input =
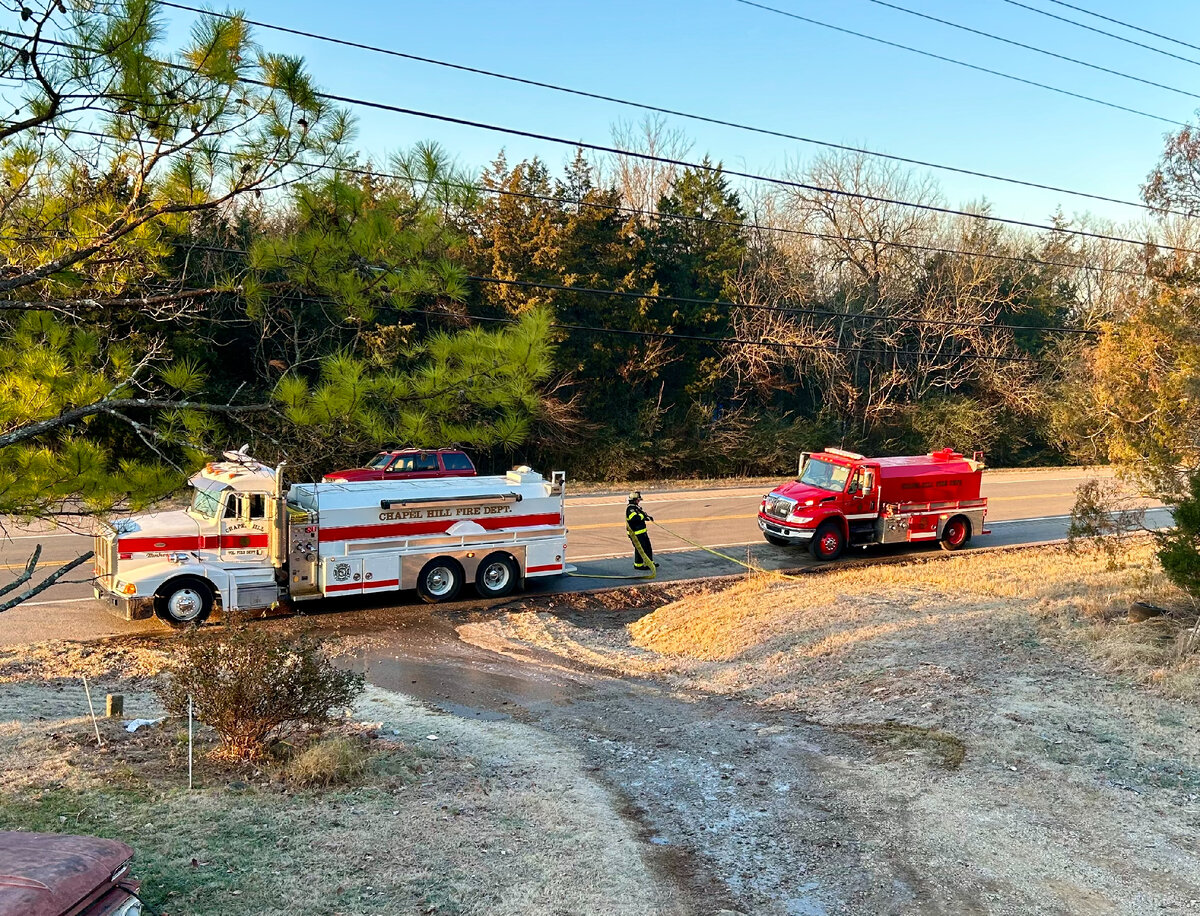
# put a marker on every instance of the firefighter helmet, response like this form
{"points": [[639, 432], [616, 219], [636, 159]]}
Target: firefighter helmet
{"points": [[635, 496]]}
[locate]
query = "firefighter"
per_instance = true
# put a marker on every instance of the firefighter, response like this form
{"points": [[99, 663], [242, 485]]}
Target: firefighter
{"points": [[635, 524]]}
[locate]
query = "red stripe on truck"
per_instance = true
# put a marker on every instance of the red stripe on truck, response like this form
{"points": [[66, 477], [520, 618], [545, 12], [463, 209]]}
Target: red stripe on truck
{"points": [[232, 541], [553, 566], [378, 583], [439, 526]]}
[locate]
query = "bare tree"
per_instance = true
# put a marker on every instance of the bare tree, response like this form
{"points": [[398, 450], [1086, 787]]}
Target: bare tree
{"points": [[643, 182]]}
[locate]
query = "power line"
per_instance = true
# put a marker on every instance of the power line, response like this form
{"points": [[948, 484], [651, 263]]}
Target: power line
{"points": [[790, 310], [1127, 25], [660, 109], [762, 342], [695, 166], [1090, 28], [749, 306], [683, 217], [1020, 44], [962, 63], [717, 169]]}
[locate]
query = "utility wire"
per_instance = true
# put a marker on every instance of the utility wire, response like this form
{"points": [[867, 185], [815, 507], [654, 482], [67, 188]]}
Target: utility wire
{"points": [[683, 163], [748, 306], [660, 109], [1090, 28], [1020, 44], [762, 342], [790, 310], [962, 63], [751, 176], [1128, 25], [680, 217]]}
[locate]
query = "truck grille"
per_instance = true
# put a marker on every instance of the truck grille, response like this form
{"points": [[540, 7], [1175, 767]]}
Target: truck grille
{"points": [[106, 556], [779, 506]]}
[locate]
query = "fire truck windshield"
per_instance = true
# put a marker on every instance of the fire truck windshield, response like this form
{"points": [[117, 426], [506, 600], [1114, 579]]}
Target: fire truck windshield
{"points": [[825, 474], [206, 503]]}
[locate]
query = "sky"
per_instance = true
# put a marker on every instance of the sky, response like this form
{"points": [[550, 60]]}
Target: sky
{"points": [[727, 60]]}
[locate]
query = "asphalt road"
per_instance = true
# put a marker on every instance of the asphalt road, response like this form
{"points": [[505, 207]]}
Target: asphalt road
{"points": [[1024, 507]]}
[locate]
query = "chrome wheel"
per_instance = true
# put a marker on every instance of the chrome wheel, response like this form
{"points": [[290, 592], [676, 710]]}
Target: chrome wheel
{"points": [[439, 581], [185, 604], [496, 576]]}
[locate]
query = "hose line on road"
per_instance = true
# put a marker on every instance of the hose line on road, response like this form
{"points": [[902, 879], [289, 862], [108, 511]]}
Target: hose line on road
{"points": [[724, 556], [637, 546]]}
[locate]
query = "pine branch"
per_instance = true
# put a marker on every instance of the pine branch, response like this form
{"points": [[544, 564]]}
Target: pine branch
{"points": [[70, 417]]}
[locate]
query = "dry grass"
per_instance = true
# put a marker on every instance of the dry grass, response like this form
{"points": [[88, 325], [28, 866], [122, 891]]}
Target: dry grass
{"points": [[1080, 595], [491, 818], [332, 762], [121, 658], [987, 721]]}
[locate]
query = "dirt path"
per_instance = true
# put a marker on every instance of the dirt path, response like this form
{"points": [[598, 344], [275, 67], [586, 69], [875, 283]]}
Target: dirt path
{"points": [[741, 808]]}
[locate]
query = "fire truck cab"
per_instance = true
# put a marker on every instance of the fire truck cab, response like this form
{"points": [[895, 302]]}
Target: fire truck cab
{"points": [[841, 498], [243, 544]]}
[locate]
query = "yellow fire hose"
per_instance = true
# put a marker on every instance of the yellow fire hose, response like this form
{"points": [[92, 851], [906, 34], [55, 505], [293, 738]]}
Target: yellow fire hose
{"points": [[637, 546], [641, 552]]}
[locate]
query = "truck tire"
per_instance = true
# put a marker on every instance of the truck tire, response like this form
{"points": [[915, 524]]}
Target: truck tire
{"points": [[956, 534], [828, 542], [440, 580], [497, 575], [184, 602], [777, 540]]}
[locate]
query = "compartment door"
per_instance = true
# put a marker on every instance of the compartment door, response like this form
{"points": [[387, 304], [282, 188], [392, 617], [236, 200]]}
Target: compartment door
{"points": [[381, 573], [343, 576]]}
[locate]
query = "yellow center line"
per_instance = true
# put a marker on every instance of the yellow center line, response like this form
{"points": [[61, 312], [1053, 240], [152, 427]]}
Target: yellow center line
{"points": [[672, 521], [718, 518], [1001, 499]]}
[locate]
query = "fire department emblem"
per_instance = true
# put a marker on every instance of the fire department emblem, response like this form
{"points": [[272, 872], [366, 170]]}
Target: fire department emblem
{"points": [[341, 572]]}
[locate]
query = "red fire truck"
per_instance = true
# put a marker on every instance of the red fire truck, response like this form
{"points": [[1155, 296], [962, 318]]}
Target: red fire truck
{"points": [[842, 498], [245, 545]]}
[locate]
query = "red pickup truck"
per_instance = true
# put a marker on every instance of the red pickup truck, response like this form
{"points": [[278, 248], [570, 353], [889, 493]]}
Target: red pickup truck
{"points": [[842, 498], [44, 874], [408, 464]]}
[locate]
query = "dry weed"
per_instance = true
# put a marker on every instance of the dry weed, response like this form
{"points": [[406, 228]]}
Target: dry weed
{"points": [[112, 659], [332, 762]]}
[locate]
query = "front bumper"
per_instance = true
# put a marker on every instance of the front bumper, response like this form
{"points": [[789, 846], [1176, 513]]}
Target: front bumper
{"points": [[784, 531], [127, 608]]}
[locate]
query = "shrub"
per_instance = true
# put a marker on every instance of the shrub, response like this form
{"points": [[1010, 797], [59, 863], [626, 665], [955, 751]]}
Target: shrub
{"points": [[253, 685], [333, 762]]}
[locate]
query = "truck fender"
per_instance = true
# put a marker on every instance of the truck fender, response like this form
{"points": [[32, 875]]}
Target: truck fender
{"points": [[838, 519], [151, 579]]}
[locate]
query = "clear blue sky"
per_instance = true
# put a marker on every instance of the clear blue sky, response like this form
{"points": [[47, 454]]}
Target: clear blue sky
{"points": [[727, 60]]}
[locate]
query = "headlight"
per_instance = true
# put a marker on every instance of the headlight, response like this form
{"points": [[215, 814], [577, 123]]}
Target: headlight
{"points": [[800, 519], [131, 907]]}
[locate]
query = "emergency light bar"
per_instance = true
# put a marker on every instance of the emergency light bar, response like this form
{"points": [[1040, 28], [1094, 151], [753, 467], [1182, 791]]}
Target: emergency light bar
{"points": [[485, 497]]}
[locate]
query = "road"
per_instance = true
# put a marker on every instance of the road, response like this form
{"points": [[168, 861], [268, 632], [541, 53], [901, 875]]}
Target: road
{"points": [[1025, 507]]}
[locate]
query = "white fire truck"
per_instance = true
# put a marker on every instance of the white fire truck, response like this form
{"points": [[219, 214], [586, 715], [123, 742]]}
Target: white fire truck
{"points": [[245, 545]]}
